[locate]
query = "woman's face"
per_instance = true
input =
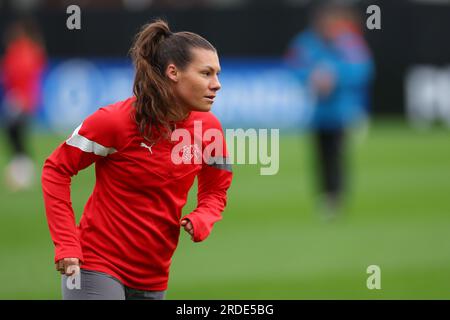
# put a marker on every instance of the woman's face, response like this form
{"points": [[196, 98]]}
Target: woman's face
{"points": [[196, 86]]}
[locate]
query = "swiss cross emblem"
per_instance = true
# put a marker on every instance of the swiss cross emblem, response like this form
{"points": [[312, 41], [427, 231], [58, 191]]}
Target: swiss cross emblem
{"points": [[191, 151]]}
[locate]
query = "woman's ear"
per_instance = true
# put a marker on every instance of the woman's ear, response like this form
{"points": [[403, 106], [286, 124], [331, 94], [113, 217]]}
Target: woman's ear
{"points": [[172, 72]]}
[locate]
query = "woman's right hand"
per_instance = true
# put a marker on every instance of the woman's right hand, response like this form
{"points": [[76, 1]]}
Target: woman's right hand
{"points": [[68, 266]]}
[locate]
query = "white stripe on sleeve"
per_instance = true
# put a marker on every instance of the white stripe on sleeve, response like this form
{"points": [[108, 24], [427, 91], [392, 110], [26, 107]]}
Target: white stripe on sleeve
{"points": [[86, 145]]}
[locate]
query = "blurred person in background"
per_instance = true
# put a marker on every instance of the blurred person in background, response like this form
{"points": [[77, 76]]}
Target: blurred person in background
{"points": [[332, 58], [22, 67]]}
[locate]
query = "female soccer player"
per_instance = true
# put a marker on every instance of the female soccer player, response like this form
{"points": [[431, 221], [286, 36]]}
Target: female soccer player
{"points": [[131, 222]]}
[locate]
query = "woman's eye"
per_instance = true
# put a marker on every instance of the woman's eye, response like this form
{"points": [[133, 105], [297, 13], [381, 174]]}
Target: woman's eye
{"points": [[206, 73]]}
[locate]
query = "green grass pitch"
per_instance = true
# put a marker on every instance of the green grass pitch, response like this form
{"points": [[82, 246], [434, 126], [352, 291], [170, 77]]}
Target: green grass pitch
{"points": [[271, 243]]}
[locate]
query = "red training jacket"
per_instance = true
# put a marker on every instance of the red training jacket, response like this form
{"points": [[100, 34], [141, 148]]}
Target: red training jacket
{"points": [[131, 223], [23, 65]]}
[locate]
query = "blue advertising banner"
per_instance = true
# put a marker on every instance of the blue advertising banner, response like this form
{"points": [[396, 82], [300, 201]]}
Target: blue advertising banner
{"points": [[255, 93]]}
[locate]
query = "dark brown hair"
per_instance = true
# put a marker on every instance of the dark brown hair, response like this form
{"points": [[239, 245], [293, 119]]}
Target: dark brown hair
{"points": [[154, 48]]}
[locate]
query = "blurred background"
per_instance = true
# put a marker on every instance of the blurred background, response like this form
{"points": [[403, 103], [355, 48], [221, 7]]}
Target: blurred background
{"points": [[364, 119]]}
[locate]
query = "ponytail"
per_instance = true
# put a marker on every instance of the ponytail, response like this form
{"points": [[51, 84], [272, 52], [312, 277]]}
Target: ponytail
{"points": [[155, 46]]}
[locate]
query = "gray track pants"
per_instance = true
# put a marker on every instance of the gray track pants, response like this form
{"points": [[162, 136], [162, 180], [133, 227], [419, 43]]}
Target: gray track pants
{"points": [[93, 285]]}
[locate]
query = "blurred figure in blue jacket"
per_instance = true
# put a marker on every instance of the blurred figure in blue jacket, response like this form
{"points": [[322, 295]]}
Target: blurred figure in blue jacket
{"points": [[333, 59]]}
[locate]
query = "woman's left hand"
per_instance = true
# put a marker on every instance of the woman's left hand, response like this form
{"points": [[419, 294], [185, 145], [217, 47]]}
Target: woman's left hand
{"points": [[188, 227]]}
